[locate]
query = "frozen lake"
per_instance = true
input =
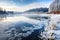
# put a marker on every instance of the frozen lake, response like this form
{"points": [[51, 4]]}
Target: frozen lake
{"points": [[20, 25], [25, 26]]}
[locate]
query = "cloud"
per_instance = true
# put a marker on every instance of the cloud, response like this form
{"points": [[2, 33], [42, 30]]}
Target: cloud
{"points": [[22, 8], [11, 6]]}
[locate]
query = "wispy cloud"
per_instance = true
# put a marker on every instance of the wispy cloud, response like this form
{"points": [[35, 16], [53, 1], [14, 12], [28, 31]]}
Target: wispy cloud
{"points": [[13, 5]]}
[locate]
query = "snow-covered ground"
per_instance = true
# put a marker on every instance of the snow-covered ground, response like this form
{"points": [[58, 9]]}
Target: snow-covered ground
{"points": [[53, 30]]}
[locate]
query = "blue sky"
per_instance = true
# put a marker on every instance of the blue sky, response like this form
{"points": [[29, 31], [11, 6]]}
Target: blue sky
{"points": [[23, 5]]}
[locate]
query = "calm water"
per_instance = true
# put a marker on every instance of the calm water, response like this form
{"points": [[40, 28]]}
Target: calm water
{"points": [[19, 27], [23, 26]]}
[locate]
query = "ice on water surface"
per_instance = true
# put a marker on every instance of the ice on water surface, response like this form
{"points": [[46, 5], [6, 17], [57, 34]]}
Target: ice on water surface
{"points": [[20, 26]]}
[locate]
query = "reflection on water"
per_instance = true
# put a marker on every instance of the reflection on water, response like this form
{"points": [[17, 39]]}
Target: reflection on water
{"points": [[20, 17], [27, 27], [1, 19], [17, 18], [18, 27]]}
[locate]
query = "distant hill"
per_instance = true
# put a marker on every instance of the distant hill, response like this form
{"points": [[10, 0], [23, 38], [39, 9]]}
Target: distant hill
{"points": [[38, 10]]}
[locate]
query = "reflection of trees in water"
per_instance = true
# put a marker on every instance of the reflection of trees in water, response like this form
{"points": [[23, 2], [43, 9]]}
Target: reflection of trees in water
{"points": [[3, 14], [1, 19]]}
